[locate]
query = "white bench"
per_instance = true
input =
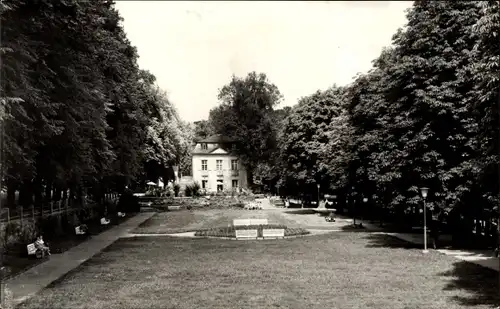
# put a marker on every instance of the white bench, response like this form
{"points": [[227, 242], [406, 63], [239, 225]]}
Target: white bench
{"points": [[258, 222], [32, 250], [273, 233], [80, 231], [121, 214], [105, 221], [246, 234], [241, 222]]}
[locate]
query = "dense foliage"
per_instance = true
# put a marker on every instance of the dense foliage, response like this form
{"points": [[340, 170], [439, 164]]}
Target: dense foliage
{"points": [[246, 115], [77, 112], [425, 115]]}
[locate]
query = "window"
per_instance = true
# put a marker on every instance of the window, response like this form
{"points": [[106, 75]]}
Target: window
{"points": [[219, 165], [220, 185], [204, 165], [204, 146], [235, 183], [204, 184], [234, 165]]}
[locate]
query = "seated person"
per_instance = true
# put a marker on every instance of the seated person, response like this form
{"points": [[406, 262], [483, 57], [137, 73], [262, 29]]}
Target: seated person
{"points": [[81, 229], [40, 245], [331, 217]]}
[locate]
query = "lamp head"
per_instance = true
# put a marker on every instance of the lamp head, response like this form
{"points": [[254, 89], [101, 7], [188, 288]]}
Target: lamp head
{"points": [[318, 185], [365, 199], [424, 191]]}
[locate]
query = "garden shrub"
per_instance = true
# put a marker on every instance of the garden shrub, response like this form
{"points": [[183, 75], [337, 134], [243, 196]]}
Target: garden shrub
{"points": [[177, 188], [193, 189], [15, 236], [238, 205]]}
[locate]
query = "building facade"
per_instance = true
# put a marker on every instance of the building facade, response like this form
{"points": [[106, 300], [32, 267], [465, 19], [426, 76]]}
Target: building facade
{"points": [[215, 166]]}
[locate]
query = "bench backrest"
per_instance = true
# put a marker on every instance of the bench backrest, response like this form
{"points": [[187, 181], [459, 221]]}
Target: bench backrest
{"points": [[31, 249], [79, 230]]}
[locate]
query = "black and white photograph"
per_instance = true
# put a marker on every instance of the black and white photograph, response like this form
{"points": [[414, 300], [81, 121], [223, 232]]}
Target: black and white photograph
{"points": [[249, 154]]}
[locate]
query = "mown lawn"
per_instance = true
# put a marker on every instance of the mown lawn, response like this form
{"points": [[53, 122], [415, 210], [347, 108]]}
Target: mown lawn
{"points": [[193, 220], [339, 270]]}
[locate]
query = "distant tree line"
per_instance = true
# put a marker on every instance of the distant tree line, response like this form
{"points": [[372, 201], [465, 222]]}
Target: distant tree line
{"points": [[426, 115], [77, 113]]}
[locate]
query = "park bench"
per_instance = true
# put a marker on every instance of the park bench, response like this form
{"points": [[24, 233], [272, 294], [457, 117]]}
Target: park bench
{"points": [[81, 230], [32, 250], [330, 217], [104, 221], [121, 214]]}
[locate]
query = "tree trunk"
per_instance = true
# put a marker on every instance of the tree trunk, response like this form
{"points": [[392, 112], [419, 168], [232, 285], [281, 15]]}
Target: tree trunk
{"points": [[80, 194], [57, 193], [65, 193], [48, 192], [479, 228], [250, 177], [26, 193], [11, 193], [37, 191]]}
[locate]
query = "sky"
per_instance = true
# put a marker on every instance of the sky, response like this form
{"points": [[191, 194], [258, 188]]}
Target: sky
{"points": [[194, 47]]}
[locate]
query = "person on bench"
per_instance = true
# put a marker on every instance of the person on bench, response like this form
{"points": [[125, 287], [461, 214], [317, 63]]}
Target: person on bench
{"points": [[330, 217], [81, 229], [40, 245]]}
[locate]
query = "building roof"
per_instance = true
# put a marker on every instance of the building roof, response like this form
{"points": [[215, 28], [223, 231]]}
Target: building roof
{"points": [[216, 139], [227, 149]]}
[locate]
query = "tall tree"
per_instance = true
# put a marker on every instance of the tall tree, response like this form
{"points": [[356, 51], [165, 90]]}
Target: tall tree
{"points": [[306, 134], [424, 127], [245, 114], [484, 98], [202, 129], [76, 107]]}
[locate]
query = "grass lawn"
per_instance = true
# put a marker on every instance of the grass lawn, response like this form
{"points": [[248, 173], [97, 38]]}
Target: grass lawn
{"points": [[199, 219], [339, 270]]}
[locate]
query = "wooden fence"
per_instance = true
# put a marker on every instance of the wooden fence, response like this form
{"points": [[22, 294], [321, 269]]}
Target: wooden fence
{"points": [[32, 212]]}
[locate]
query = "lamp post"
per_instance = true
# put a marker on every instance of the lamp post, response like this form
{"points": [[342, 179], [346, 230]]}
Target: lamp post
{"points": [[365, 200], [351, 206], [424, 192], [318, 194]]}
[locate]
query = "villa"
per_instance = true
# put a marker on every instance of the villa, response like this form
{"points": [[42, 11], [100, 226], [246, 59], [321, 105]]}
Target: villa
{"points": [[216, 167]]}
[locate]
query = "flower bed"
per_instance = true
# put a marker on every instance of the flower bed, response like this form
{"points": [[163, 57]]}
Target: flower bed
{"points": [[230, 231]]}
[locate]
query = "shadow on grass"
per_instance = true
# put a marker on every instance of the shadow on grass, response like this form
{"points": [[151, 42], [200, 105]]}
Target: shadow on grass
{"points": [[149, 222], [480, 282], [96, 260], [301, 211], [354, 229], [388, 241]]}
